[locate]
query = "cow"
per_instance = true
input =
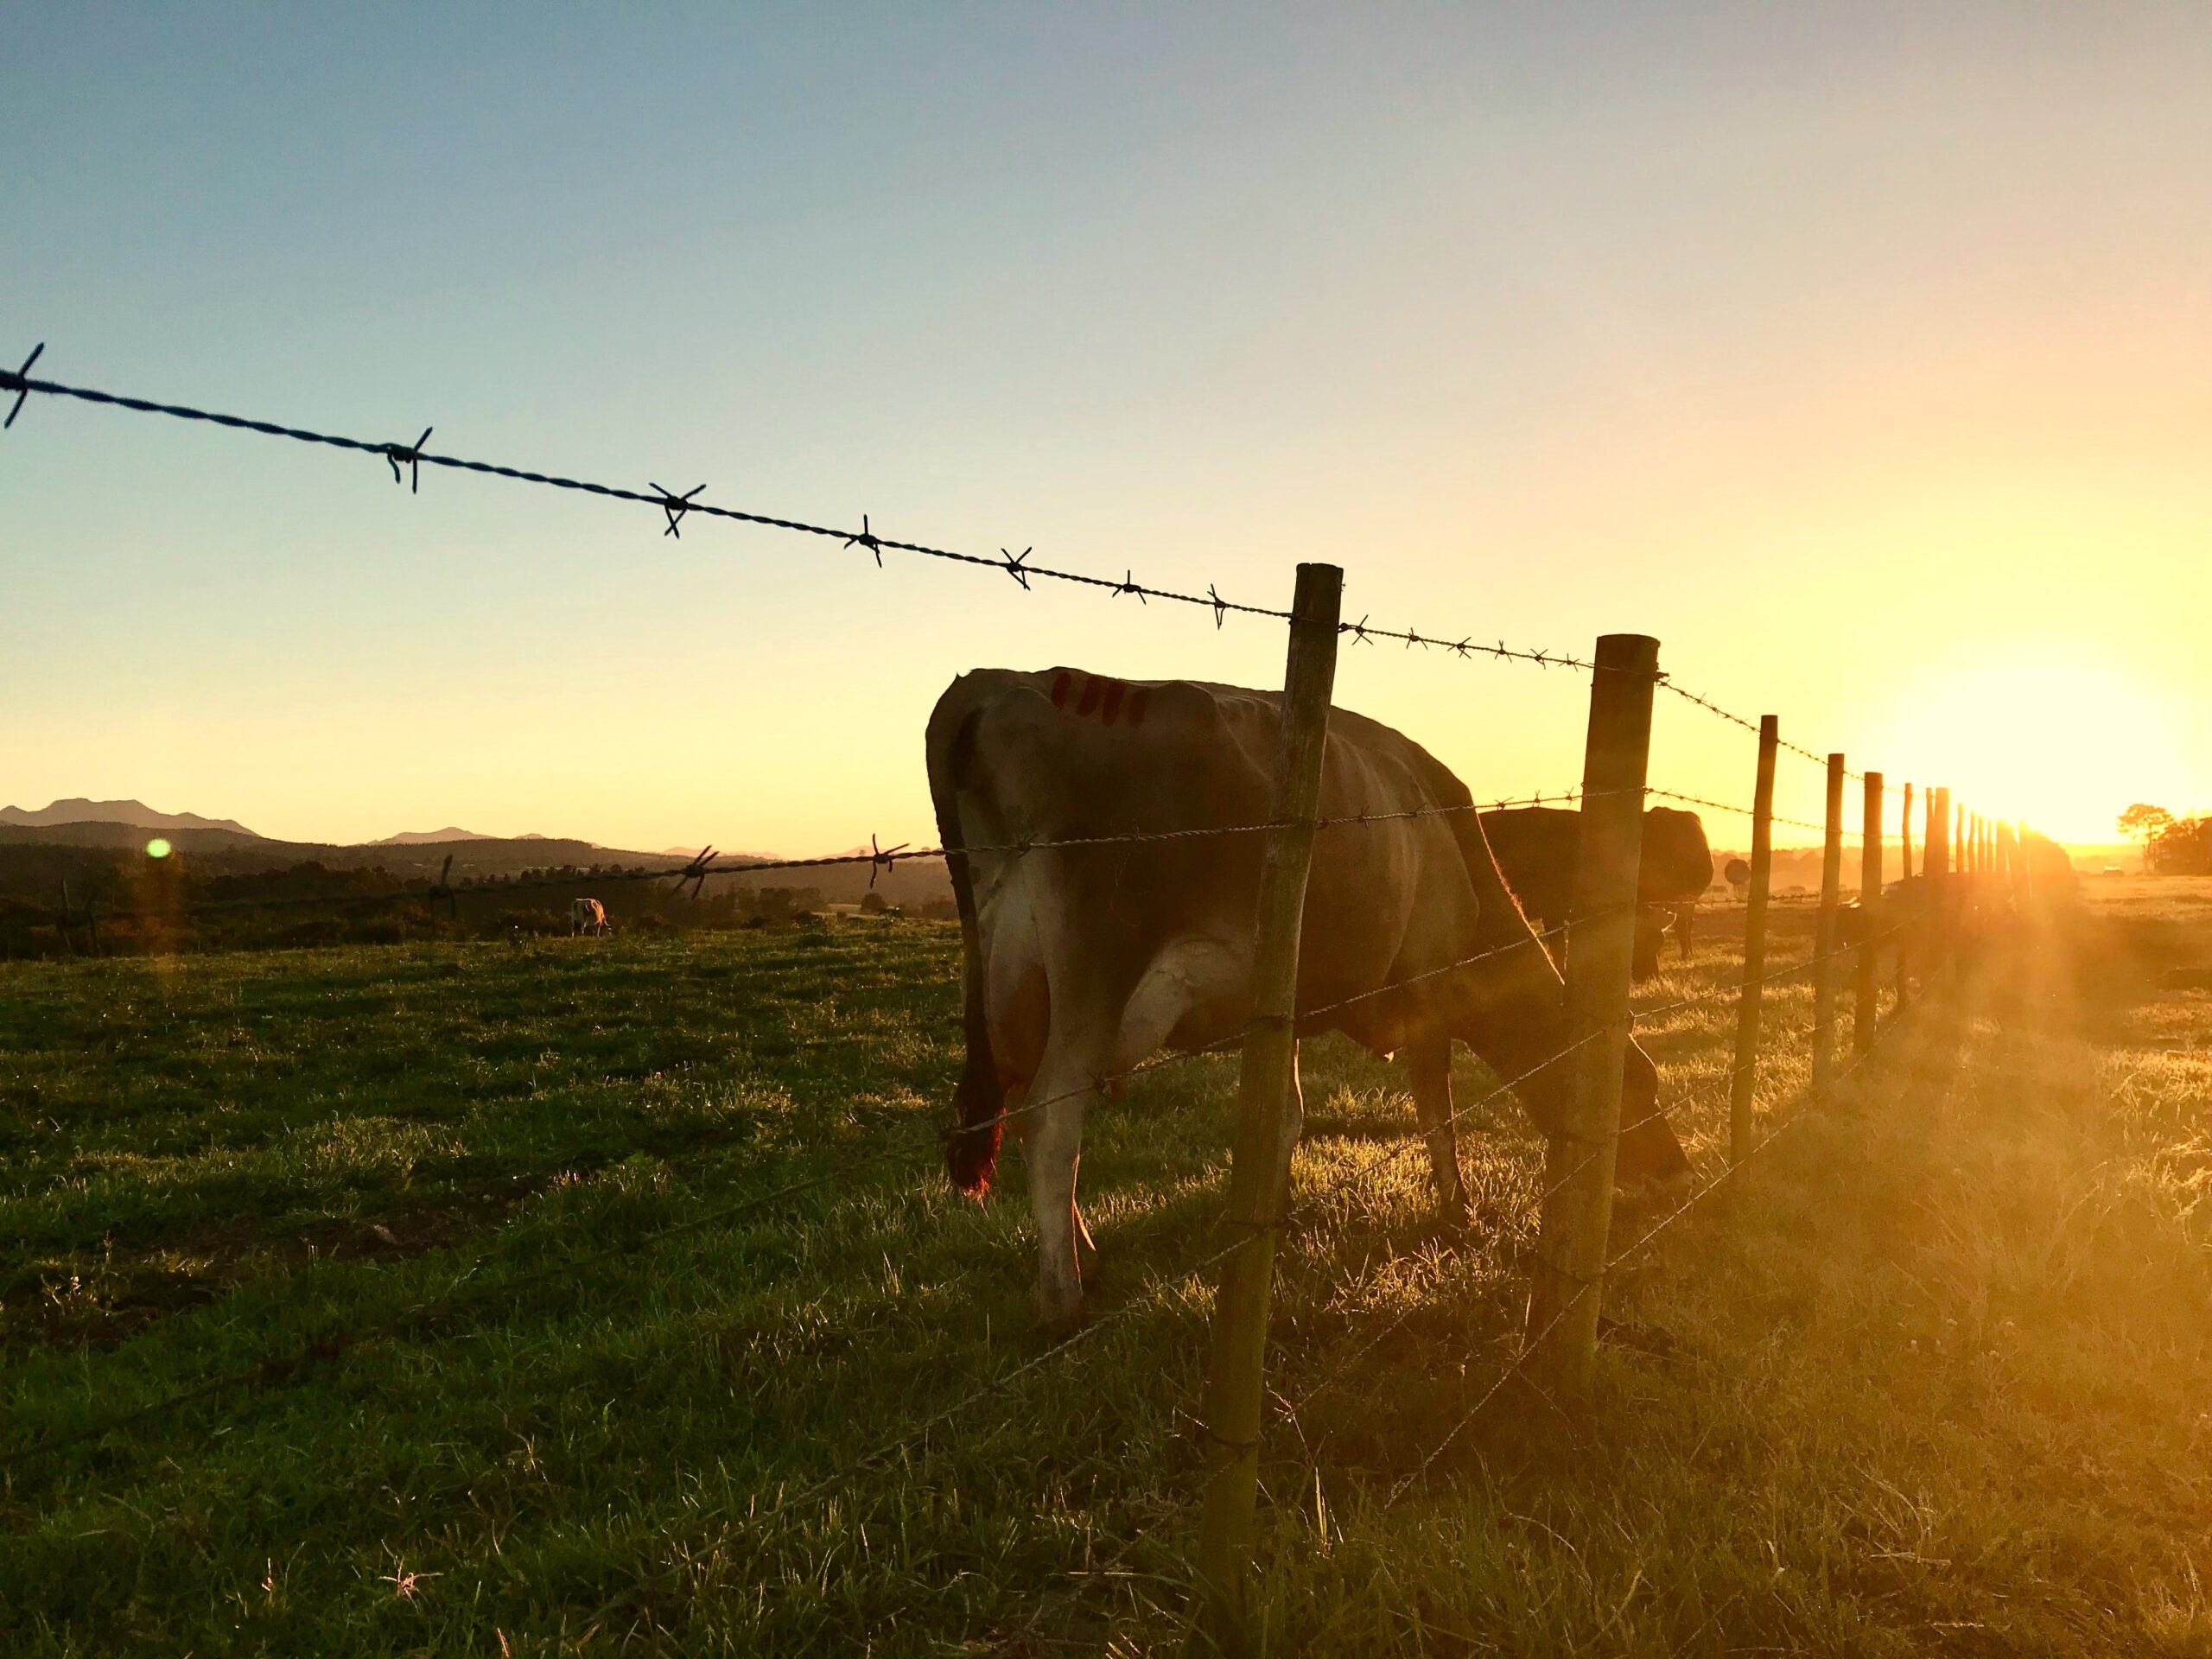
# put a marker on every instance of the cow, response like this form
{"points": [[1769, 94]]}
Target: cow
{"points": [[1537, 848], [1737, 875], [587, 916], [1079, 962]]}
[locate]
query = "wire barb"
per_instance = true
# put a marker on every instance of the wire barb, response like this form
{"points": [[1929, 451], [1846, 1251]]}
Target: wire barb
{"points": [[867, 538], [412, 454], [881, 858], [1129, 584], [696, 872], [1014, 568], [677, 506], [20, 383], [1220, 607]]}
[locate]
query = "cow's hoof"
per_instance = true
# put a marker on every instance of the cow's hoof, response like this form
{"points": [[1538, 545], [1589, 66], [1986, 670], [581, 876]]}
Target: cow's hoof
{"points": [[1060, 1307]]}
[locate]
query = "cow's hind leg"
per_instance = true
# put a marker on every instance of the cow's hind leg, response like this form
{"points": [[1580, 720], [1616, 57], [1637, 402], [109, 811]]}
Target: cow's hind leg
{"points": [[1065, 1087], [1429, 1065]]}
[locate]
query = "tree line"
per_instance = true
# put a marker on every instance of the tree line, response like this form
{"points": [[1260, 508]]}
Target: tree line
{"points": [[2172, 844]]}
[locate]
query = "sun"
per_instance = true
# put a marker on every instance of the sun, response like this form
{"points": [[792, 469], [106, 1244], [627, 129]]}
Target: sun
{"points": [[2060, 739]]}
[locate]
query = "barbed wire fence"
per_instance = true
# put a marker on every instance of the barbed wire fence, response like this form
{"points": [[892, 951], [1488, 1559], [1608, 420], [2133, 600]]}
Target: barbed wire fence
{"points": [[1573, 1254]]}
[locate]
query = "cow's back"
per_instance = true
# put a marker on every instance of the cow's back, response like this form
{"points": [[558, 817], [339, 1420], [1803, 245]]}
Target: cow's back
{"points": [[1064, 755]]}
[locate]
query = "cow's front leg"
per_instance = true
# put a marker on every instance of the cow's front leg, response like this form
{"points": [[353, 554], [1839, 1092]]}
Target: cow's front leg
{"points": [[1051, 1150], [1429, 1063]]}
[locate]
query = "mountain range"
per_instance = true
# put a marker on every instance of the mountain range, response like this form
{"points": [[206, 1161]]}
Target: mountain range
{"points": [[137, 814]]}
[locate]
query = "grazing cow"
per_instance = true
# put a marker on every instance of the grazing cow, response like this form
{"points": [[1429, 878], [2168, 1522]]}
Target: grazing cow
{"points": [[587, 916], [1537, 848], [1737, 875], [1079, 962]]}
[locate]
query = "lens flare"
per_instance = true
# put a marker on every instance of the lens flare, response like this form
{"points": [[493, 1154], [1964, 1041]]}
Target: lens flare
{"points": [[157, 848]]}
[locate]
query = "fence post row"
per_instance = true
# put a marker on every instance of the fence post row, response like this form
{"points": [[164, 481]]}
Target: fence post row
{"points": [[1824, 934], [1870, 916], [1267, 1110], [1577, 1208], [1743, 1080]]}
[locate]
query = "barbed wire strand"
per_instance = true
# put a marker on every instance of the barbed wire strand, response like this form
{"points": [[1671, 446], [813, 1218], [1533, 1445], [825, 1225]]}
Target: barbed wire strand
{"points": [[878, 859], [413, 457]]}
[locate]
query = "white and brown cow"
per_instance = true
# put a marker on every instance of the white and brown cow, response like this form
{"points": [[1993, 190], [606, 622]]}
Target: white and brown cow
{"points": [[587, 916], [1079, 962]]}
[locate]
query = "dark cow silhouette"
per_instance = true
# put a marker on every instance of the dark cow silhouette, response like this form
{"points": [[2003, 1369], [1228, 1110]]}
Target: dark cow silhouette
{"points": [[1536, 847], [1080, 961], [1737, 875]]}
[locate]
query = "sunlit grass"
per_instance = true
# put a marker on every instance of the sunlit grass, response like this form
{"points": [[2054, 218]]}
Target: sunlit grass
{"points": [[1931, 1378]]}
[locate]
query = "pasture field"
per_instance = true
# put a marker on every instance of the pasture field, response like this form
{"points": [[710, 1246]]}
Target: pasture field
{"points": [[593, 1296]]}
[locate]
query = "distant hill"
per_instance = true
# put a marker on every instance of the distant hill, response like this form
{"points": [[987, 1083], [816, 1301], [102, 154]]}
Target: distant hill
{"points": [[136, 814], [424, 837], [38, 849]]}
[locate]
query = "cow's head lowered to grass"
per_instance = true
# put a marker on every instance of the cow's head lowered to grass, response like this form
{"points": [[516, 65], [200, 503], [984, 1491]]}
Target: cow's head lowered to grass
{"points": [[1078, 963]]}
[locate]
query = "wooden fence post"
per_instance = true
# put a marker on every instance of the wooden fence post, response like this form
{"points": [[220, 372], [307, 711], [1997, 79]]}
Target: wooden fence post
{"points": [[1935, 926], [1870, 916], [1824, 935], [1267, 1110], [1578, 1207], [2027, 878], [1902, 943], [1744, 1080]]}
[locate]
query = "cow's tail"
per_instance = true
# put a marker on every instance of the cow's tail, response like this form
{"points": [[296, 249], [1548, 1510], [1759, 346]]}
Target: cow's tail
{"points": [[971, 1143]]}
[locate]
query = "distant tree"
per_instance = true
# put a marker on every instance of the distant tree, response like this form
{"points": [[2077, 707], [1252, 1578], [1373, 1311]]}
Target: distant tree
{"points": [[2144, 823], [872, 901]]}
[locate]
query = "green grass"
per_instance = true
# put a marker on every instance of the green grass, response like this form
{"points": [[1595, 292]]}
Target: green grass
{"points": [[626, 1308]]}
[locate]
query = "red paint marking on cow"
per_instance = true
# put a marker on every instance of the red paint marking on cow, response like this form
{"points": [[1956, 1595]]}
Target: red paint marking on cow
{"points": [[1140, 700], [1114, 690], [1088, 700], [1061, 690]]}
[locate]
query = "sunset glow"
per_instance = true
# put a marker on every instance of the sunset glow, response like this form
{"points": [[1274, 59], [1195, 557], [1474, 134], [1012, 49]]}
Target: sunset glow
{"points": [[2057, 737]]}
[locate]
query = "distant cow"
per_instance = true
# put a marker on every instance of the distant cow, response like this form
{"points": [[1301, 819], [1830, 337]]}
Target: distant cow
{"points": [[1537, 848], [1079, 962], [587, 916], [1737, 875]]}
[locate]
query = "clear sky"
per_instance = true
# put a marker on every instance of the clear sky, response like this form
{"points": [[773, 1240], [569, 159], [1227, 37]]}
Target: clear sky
{"points": [[1858, 352]]}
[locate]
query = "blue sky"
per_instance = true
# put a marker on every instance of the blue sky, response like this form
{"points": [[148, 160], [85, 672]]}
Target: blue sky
{"points": [[1856, 353]]}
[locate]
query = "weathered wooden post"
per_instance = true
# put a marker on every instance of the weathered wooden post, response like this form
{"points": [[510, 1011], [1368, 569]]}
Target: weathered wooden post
{"points": [[1577, 1208], [1267, 1109], [1901, 943], [1935, 924], [1824, 935], [1870, 915], [1744, 1080]]}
